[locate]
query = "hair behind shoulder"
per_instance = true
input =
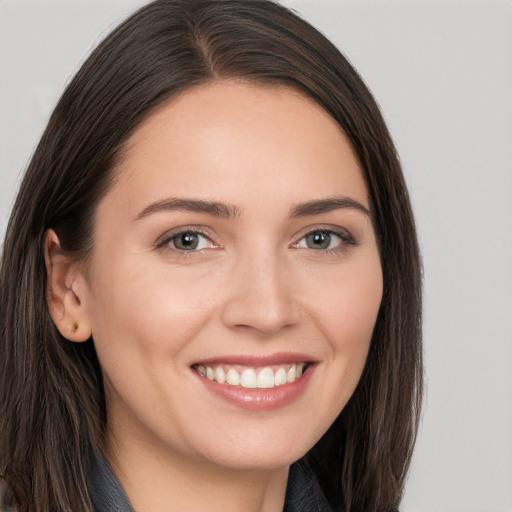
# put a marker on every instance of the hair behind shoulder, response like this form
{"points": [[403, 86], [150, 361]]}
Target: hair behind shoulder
{"points": [[52, 410]]}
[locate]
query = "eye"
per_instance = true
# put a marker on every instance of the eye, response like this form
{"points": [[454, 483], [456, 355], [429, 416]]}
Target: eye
{"points": [[189, 241], [324, 240], [320, 240]]}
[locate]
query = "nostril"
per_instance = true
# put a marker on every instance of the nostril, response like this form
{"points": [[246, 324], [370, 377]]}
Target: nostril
{"points": [[259, 295], [251, 314]]}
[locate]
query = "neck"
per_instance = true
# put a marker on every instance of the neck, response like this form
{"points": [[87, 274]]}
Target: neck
{"points": [[156, 480]]}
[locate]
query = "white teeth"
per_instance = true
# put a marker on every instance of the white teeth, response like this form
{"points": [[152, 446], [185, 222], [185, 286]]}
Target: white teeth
{"points": [[233, 377], [280, 377], [291, 374], [248, 378], [266, 378], [251, 378], [220, 375]]}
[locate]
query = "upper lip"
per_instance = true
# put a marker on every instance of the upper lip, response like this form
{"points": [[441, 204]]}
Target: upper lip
{"points": [[258, 360]]}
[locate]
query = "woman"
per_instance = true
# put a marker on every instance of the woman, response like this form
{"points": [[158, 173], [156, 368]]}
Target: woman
{"points": [[210, 279]]}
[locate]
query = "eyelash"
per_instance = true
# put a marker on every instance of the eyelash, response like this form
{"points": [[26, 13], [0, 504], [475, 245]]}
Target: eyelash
{"points": [[344, 237], [166, 240]]}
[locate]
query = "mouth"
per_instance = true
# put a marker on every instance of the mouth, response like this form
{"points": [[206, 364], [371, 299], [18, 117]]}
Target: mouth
{"points": [[257, 383], [252, 377]]}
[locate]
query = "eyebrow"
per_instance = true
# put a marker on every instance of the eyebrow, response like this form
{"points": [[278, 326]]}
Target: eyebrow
{"points": [[225, 210], [214, 208], [327, 205]]}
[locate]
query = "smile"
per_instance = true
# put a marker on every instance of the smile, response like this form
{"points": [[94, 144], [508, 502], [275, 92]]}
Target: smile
{"points": [[257, 383], [248, 377]]}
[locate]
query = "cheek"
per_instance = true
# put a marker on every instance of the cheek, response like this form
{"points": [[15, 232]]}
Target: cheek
{"points": [[143, 319], [141, 310], [347, 305], [346, 312], [358, 306]]}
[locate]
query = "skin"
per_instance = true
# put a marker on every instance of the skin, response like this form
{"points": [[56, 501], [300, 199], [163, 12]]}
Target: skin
{"points": [[255, 286]]}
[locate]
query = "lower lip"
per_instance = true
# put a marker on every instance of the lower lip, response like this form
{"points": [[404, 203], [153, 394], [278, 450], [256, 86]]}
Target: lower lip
{"points": [[260, 399]]}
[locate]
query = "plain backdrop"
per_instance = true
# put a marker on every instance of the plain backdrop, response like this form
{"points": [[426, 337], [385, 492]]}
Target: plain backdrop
{"points": [[442, 73]]}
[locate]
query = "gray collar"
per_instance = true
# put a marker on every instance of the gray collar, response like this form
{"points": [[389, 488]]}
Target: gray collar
{"points": [[106, 492], [303, 493]]}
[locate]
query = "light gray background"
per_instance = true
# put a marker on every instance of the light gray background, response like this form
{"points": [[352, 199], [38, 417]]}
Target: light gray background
{"points": [[442, 72]]}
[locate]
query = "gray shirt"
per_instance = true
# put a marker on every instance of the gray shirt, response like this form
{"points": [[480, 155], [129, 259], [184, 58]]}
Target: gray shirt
{"points": [[303, 493]]}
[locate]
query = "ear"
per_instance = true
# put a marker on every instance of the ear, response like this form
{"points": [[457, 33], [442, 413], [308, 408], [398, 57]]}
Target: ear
{"points": [[66, 291]]}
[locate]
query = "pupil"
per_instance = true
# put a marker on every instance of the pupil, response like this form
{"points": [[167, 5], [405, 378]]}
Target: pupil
{"points": [[319, 240], [186, 241]]}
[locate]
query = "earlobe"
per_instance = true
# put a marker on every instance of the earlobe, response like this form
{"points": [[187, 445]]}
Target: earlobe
{"points": [[65, 291]]}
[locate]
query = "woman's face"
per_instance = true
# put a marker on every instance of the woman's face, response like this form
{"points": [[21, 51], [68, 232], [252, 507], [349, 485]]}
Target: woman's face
{"points": [[235, 244]]}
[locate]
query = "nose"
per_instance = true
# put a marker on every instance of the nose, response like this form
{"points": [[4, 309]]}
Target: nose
{"points": [[260, 296]]}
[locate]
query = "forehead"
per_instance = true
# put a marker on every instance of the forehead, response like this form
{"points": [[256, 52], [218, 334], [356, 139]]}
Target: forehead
{"points": [[225, 136]]}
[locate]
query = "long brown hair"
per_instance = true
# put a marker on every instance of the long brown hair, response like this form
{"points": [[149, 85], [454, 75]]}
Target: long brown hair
{"points": [[52, 408]]}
